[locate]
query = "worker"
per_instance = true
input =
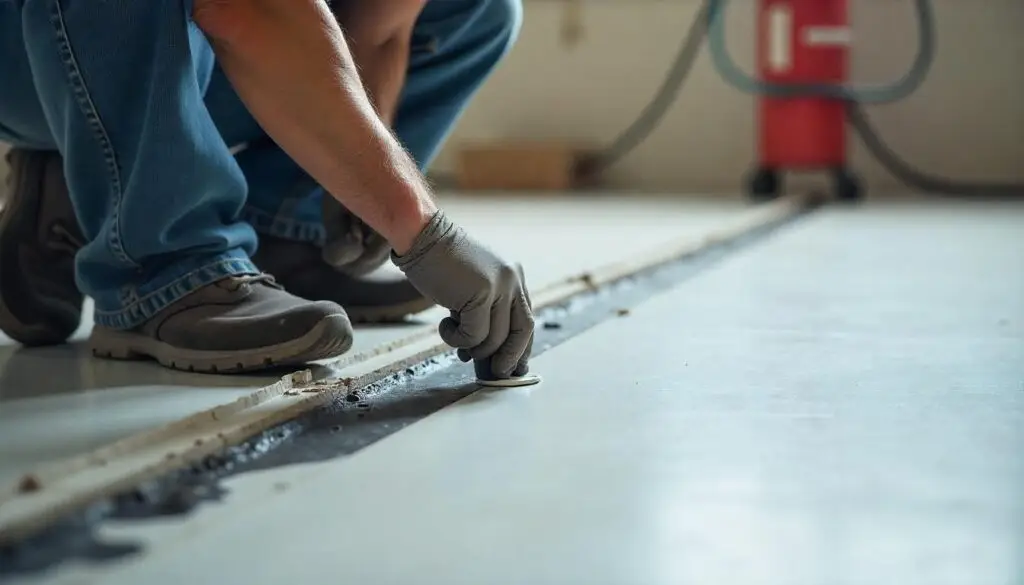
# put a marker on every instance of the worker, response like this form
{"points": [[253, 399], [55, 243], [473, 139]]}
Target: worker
{"points": [[181, 134]]}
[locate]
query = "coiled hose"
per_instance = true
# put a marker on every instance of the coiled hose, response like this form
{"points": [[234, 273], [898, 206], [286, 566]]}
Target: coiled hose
{"points": [[710, 23]]}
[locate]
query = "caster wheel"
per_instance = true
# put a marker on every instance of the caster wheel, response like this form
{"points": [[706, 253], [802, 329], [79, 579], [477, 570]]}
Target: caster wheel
{"points": [[764, 185], [847, 186]]}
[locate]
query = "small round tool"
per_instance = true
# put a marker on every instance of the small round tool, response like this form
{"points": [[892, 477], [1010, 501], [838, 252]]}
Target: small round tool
{"points": [[520, 377], [527, 380]]}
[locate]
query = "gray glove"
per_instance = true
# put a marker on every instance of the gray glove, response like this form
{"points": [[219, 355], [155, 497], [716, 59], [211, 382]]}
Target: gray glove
{"points": [[491, 317], [352, 247]]}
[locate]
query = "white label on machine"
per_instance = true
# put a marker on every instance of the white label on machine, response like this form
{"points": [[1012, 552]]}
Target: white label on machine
{"points": [[780, 38], [827, 36]]}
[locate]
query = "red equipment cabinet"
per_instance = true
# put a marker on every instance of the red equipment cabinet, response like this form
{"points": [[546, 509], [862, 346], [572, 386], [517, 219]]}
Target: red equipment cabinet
{"points": [[802, 42]]}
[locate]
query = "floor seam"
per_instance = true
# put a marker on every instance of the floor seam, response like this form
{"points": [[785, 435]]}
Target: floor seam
{"points": [[353, 392]]}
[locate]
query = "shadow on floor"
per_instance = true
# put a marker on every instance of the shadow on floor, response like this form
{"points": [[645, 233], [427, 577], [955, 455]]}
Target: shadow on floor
{"points": [[70, 369], [28, 373]]}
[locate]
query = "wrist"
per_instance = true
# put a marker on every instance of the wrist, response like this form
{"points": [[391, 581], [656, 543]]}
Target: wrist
{"points": [[409, 224], [438, 229]]}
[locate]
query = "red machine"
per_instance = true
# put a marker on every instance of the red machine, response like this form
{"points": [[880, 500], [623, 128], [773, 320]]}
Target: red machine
{"points": [[802, 42]]}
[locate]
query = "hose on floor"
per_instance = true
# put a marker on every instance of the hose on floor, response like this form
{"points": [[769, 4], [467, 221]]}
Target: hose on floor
{"points": [[915, 179], [653, 113], [855, 99], [710, 23]]}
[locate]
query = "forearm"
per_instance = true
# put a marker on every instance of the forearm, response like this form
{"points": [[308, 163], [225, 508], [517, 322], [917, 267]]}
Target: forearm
{"points": [[290, 64], [382, 70], [379, 34]]}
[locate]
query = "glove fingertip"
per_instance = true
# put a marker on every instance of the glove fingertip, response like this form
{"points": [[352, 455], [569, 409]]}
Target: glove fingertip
{"points": [[522, 368], [331, 257], [448, 329], [502, 366]]}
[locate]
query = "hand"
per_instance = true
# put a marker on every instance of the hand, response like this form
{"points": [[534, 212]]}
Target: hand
{"points": [[352, 247], [491, 317]]}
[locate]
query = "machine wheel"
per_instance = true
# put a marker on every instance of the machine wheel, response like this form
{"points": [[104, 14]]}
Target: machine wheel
{"points": [[847, 185], [764, 185]]}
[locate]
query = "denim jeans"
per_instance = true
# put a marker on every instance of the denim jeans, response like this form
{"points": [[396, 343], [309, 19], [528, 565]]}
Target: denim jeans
{"points": [[130, 93]]}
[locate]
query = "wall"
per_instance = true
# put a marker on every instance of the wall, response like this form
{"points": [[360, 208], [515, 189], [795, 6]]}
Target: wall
{"points": [[966, 121]]}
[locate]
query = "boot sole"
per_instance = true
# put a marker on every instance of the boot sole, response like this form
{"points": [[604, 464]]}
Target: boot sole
{"points": [[33, 333], [387, 314], [329, 338]]}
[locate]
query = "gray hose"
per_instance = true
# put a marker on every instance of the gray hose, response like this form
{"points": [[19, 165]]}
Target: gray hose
{"points": [[915, 179], [652, 114], [709, 17]]}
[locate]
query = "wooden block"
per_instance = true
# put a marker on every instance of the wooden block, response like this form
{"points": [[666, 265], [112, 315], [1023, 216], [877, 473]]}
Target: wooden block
{"points": [[522, 166]]}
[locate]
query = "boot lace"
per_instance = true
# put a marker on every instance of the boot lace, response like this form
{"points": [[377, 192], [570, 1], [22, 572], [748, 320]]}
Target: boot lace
{"points": [[234, 283]]}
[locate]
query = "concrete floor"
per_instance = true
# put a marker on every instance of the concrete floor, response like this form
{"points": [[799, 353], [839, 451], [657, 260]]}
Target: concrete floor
{"points": [[94, 402], [843, 403]]}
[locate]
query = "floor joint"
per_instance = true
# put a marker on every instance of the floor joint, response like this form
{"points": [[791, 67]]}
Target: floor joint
{"points": [[344, 415]]}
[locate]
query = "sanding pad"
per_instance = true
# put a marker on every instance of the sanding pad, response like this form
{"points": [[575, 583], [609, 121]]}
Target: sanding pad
{"points": [[527, 380]]}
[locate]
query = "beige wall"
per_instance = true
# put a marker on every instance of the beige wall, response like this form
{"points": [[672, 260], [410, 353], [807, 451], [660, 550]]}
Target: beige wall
{"points": [[967, 121]]}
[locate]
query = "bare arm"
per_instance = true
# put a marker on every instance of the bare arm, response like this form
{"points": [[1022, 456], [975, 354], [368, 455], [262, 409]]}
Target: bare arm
{"points": [[290, 64], [379, 33]]}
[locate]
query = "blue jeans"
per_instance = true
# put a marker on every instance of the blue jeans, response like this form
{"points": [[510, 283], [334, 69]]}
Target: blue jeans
{"points": [[129, 92]]}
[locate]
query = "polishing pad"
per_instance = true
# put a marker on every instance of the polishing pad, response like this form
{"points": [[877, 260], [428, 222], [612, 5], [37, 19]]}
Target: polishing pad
{"points": [[527, 380]]}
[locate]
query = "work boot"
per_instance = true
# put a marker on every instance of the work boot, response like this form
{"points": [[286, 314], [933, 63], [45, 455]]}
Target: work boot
{"points": [[42, 306], [39, 237], [238, 324], [300, 268]]}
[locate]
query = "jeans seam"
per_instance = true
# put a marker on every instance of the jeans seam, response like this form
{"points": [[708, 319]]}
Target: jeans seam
{"points": [[172, 284], [92, 118], [279, 226]]}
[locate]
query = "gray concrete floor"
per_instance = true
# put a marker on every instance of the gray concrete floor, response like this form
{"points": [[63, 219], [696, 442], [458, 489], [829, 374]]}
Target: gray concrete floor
{"points": [[841, 404], [59, 402]]}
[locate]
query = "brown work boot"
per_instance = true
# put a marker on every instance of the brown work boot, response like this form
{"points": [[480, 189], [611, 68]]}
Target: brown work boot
{"points": [[238, 324], [300, 268], [39, 237]]}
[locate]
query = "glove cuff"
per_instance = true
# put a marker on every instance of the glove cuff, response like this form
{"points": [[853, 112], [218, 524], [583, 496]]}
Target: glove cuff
{"points": [[436, 229]]}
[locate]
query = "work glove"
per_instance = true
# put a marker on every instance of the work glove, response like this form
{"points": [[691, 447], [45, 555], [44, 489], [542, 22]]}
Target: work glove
{"points": [[491, 317], [351, 246]]}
